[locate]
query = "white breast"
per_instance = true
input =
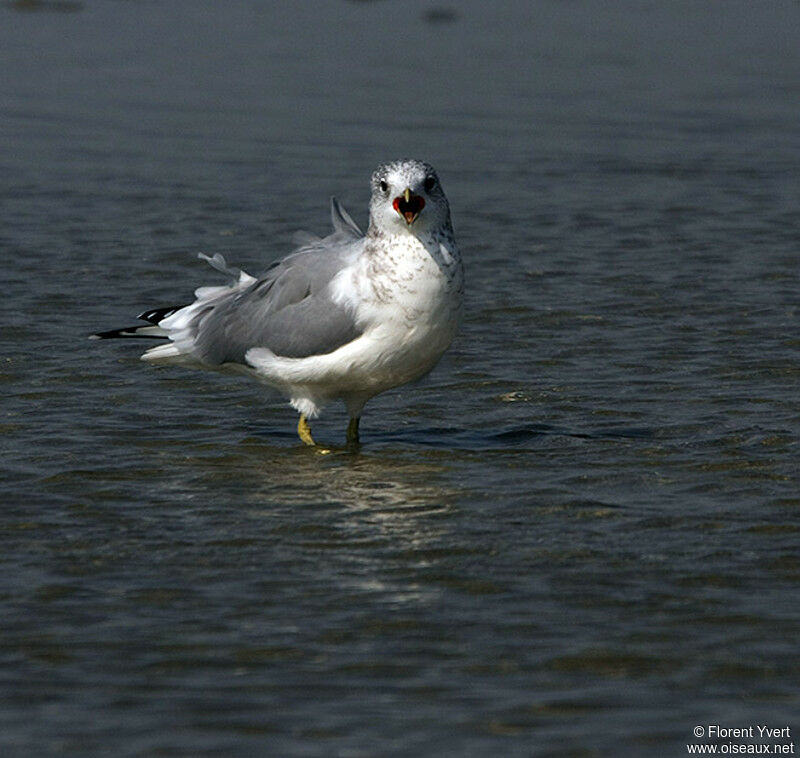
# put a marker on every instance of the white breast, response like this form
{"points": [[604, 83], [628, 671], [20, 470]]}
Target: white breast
{"points": [[408, 297], [408, 301]]}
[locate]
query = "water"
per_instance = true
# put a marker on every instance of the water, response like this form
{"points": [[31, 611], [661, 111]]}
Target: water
{"points": [[578, 537]]}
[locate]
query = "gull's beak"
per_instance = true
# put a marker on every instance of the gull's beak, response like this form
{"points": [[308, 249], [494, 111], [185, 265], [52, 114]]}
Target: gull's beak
{"points": [[408, 205]]}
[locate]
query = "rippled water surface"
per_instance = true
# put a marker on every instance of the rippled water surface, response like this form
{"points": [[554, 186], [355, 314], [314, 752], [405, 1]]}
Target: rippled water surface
{"points": [[578, 537]]}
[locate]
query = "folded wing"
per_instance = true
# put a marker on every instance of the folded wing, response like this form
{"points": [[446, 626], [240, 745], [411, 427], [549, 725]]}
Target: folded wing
{"points": [[290, 310]]}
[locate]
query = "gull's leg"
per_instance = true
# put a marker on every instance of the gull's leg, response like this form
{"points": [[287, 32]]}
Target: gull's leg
{"points": [[352, 431], [304, 431]]}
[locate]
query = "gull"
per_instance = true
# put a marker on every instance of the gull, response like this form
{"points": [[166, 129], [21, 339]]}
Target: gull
{"points": [[344, 317]]}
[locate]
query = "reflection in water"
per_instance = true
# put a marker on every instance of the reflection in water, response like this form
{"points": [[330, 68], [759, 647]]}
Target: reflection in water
{"points": [[358, 481], [365, 519]]}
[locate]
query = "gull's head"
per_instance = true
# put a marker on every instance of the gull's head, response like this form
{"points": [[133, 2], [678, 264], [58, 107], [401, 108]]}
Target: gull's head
{"points": [[407, 197]]}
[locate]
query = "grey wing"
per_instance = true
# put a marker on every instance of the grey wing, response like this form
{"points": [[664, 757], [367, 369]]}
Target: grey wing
{"points": [[290, 310]]}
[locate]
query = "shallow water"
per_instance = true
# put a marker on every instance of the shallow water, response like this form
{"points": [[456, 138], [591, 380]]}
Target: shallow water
{"points": [[578, 536]]}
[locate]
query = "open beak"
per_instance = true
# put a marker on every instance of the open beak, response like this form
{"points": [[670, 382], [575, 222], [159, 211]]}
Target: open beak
{"points": [[408, 205]]}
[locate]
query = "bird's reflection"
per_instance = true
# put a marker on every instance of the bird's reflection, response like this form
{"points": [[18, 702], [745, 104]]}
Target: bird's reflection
{"points": [[377, 522], [351, 476]]}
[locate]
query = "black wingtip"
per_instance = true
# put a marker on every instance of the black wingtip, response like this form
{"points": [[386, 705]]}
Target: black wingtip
{"points": [[138, 332], [156, 315], [153, 317], [128, 331]]}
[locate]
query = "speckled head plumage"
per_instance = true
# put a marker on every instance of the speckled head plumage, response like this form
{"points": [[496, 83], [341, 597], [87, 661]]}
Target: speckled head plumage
{"points": [[407, 198]]}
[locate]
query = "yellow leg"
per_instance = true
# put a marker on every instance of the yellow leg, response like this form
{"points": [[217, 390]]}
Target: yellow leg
{"points": [[352, 431], [304, 431]]}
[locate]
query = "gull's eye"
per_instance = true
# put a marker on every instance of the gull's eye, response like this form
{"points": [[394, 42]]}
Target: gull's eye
{"points": [[430, 183], [384, 186]]}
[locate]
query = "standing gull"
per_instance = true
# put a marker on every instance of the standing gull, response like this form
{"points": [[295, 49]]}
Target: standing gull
{"points": [[341, 318]]}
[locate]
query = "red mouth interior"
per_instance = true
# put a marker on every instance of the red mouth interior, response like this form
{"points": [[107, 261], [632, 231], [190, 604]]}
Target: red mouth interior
{"points": [[409, 210]]}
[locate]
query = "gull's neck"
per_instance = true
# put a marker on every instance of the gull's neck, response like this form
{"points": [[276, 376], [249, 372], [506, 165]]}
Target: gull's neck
{"points": [[385, 248]]}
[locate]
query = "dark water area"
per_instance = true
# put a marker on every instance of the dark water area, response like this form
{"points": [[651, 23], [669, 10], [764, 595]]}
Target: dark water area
{"points": [[578, 537]]}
